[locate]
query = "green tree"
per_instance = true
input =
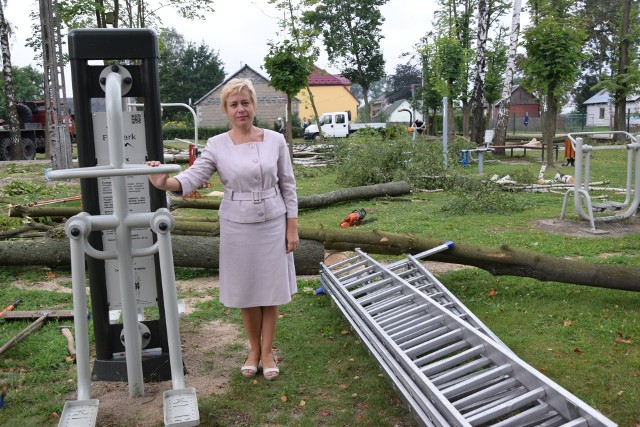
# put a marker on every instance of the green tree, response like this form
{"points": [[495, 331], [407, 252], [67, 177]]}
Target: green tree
{"points": [[554, 50], [404, 83], [303, 37], [28, 85], [186, 71], [351, 36], [448, 74], [127, 13], [496, 64], [429, 97], [289, 72]]}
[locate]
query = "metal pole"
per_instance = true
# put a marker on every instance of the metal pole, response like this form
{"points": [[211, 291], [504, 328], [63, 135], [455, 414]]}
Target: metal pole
{"points": [[445, 128], [133, 343]]}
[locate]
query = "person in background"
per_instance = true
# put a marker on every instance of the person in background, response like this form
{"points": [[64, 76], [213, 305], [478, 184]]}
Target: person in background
{"points": [[258, 220], [280, 125], [305, 123]]}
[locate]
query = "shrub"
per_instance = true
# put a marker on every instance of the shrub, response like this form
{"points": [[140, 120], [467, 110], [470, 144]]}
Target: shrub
{"points": [[374, 157]]}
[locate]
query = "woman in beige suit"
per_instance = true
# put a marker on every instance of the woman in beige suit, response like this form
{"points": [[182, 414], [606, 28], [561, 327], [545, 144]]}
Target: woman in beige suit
{"points": [[258, 219]]}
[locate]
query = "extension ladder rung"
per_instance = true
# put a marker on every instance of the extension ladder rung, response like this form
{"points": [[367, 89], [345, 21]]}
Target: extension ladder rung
{"points": [[494, 411], [530, 416], [414, 329], [450, 361], [494, 399], [450, 364], [358, 278], [371, 286], [383, 306], [432, 337], [442, 352], [472, 367], [460, 387], [465, 403]]}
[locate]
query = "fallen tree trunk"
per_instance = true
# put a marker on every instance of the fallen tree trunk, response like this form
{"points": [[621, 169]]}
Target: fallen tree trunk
{"points": [[188, 251], [497, 261], [197, 251], [390, 189]]}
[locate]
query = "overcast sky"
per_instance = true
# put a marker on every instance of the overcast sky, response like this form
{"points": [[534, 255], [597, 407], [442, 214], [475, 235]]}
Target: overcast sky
{"points": [[239, 30]]}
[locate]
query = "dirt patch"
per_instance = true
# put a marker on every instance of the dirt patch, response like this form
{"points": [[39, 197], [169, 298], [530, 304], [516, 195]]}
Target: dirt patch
{"points": [[211, 353], [210, 364], [583, 228]]}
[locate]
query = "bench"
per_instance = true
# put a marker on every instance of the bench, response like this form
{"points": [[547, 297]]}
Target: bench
{"points": [[527, 147]]}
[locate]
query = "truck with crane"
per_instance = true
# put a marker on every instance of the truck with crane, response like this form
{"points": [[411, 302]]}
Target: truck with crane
{"points": [[32, 117]]}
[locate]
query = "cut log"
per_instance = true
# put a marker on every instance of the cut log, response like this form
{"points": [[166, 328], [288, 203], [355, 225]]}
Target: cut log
{"points": [[188, 251], [497, 261], [202, 252], [390, 189]]}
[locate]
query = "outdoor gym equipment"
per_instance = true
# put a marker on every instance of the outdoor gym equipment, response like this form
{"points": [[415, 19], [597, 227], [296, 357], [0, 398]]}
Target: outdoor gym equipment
{"points": [[466, 156], [614, 211], [127, 208], [447, 366]]}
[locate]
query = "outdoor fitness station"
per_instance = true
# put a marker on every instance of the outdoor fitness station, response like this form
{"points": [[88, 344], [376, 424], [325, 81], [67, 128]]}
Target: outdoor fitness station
{"points": [[608, 211], [124, 231]]}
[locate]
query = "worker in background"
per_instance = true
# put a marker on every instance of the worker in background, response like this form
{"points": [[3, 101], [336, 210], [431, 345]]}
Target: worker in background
{"points": [[280, 125]]}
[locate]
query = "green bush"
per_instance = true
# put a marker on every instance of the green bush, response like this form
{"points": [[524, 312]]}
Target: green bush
{"points": [[373, 156]]}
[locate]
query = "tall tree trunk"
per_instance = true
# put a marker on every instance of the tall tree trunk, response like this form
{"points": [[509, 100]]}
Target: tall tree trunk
{"points": [[116, 13], [367, 107], [14, 124], [451, 121], [477, 102], [620, 96], [466, 113], [500, 135]]}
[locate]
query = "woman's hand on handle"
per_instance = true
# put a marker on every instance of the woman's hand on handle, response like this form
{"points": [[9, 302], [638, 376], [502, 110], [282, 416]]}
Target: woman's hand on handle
{"points": [[162, 180]]}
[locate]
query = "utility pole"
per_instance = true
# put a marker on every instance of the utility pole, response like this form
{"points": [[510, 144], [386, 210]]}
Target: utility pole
{"points": [[58, 141]]}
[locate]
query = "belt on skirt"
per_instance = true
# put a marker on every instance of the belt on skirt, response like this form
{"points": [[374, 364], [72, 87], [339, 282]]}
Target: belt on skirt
{"points": [[255, 196]]}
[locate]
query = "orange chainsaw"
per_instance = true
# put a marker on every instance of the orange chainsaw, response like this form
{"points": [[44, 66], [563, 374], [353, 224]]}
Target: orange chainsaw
{"points": [[354, 218]]}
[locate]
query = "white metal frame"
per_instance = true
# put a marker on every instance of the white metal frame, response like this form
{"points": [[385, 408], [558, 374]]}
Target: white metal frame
{"points": [[582, 173]]}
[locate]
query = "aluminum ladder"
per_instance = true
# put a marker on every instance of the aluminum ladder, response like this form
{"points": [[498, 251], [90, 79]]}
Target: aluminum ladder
{"points": [[445, 364]]}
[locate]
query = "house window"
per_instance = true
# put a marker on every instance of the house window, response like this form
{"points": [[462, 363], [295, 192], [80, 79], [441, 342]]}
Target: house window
{"points": [[602, 112], [340, 118]]}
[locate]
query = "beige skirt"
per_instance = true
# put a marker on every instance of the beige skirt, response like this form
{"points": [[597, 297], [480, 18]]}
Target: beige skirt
{"points": [[255, 268]]}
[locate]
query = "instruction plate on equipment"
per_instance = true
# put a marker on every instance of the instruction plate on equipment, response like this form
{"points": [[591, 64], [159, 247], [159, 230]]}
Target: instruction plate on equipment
{"points": [[135, 152]]}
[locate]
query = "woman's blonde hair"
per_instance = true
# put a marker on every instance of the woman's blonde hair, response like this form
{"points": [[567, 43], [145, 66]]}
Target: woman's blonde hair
{"points": [[235, 86]]}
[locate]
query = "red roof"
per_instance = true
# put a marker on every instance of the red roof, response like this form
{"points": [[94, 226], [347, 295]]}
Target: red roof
{"points": [[320, 77]]}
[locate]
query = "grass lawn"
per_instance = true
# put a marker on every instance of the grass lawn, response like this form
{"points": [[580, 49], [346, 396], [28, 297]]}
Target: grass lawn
{"points": [[585, 339]]}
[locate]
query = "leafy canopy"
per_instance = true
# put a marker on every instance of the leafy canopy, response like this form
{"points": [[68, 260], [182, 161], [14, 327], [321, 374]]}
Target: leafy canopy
{"points": [[554, 51]]}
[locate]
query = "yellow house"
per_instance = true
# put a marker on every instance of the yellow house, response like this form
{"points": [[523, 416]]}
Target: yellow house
{"points": [[330, 93]]}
